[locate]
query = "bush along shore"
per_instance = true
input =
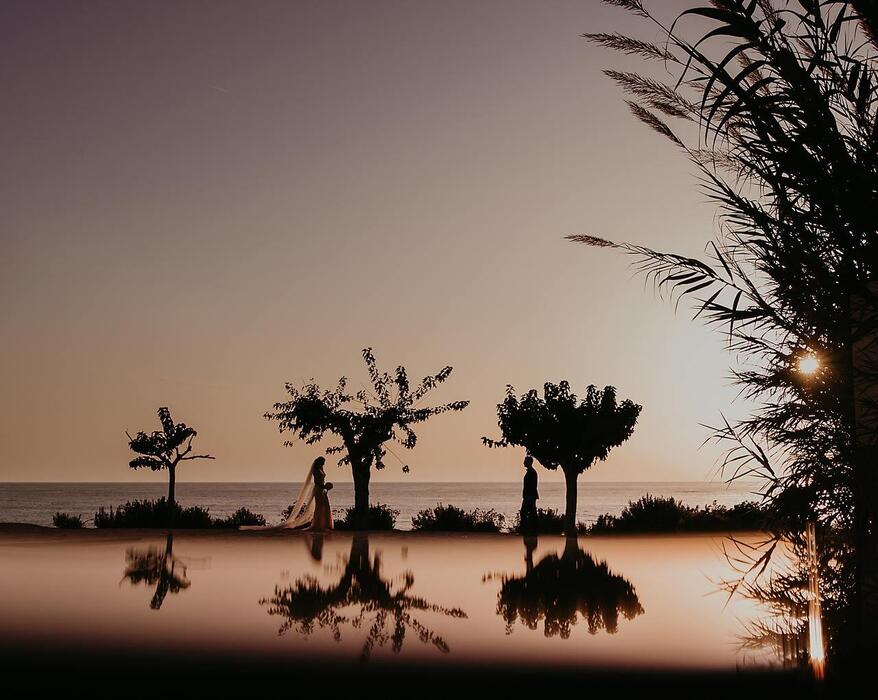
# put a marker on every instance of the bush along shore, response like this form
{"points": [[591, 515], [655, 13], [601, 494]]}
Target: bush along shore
{"points": [[649, 514], [158, 513], [449, 518], [658, 514]]}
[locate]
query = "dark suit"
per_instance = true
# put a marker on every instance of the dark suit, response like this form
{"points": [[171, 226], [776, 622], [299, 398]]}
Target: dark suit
{"points": [[529, 496]]}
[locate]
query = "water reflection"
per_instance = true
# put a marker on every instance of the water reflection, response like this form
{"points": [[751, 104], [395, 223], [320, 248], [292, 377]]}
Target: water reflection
{"points": [[360, 597], [813, 611], [558, 589], [158, 567], [314, 544]]}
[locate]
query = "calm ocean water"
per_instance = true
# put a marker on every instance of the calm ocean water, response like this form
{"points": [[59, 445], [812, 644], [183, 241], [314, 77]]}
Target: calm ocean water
{"points": [[36, 503]]}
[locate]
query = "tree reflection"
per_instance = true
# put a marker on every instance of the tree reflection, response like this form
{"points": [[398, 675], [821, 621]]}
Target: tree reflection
{"points": [[158, 567], [558, 589], [384, 607]]}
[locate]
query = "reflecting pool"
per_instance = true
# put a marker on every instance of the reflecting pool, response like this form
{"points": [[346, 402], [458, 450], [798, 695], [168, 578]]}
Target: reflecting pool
{"points": [[615, 602]]}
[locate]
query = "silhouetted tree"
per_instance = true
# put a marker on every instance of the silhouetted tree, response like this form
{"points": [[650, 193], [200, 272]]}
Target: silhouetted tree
{"points": [[384, 607], [559, 430], [363, 421], [557, 590], [164, 449], [157, 567], [778, 111]]}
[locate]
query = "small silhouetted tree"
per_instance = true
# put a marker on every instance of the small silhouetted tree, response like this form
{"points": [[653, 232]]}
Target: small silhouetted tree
{"points": [[363, 421], [559, 430], [164, 449]]}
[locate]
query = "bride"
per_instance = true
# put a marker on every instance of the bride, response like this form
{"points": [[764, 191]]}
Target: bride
{"points": [[311, 510]]}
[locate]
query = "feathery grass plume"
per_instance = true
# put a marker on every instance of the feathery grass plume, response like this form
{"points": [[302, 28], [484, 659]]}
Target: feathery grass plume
{"points": [[591, 240], [652, 121], [629, 45], [635, 6], [657, 95]]}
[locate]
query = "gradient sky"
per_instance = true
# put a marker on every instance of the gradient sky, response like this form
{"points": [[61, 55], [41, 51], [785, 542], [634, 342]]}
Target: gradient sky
{"points": [[201, 200]]}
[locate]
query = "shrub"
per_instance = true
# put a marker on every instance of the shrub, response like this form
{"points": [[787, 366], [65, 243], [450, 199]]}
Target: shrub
{"points": [[549, 522], [453, 519], [242, 516], [381, 517], [661, 514], [156, 513], [66, 521]]}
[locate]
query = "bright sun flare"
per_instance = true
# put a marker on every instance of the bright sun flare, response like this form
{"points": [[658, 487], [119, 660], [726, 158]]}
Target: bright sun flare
{"points": [[809, 364]]}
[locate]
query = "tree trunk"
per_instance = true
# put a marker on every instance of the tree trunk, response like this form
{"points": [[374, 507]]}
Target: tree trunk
{"points": [[570, 515], [361, 474], [172, 482]]}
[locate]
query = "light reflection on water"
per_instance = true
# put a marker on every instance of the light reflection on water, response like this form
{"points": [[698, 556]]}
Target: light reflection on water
{"points": [[648, 602]]}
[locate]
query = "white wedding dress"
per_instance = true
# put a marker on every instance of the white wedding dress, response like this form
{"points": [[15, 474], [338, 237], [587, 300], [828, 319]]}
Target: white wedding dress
{"points": [[302, 513]]}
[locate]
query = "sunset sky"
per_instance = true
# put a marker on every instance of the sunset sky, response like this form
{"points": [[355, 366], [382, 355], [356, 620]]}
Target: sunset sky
{"points": [[202, 200]]}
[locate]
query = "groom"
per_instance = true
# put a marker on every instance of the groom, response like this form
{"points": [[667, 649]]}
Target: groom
{"points": [[529, 496]]}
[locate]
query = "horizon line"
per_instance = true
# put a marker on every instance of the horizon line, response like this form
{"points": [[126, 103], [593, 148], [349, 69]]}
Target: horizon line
{"points": [[288, 481]]}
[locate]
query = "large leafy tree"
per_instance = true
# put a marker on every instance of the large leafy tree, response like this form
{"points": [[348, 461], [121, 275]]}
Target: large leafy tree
{"points": [[776, 106], [560, 431], [363, 421], [164, 449]]}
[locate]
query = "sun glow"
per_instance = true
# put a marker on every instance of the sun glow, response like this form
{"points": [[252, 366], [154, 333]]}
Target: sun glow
{"points": [[808, 364]]}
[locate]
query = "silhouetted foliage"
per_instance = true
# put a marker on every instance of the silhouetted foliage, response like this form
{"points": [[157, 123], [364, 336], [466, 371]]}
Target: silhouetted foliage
{"points": [[661, 514], [557, 590], [382, 607], [157, 567], [442, 518], [378, 517], [779, 110], [66, 521], [152, 513], [559, 430], [548, 522], [157, 513], [363, 421], [164, 449], [242, 516]]}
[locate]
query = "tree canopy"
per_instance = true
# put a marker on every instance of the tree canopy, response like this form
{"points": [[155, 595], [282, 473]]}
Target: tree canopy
{"points": [[560, 430], [364, 420], [160, 449]]}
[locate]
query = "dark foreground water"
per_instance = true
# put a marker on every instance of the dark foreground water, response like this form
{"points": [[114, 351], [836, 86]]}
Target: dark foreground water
{"points": [[36, 503]]}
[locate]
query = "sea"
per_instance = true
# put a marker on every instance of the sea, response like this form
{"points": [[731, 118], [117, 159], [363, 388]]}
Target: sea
{"points": [[36, 503]]}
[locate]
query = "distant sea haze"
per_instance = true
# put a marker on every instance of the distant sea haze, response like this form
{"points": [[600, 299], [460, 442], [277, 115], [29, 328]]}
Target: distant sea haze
{"points": [[36, 503]]}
